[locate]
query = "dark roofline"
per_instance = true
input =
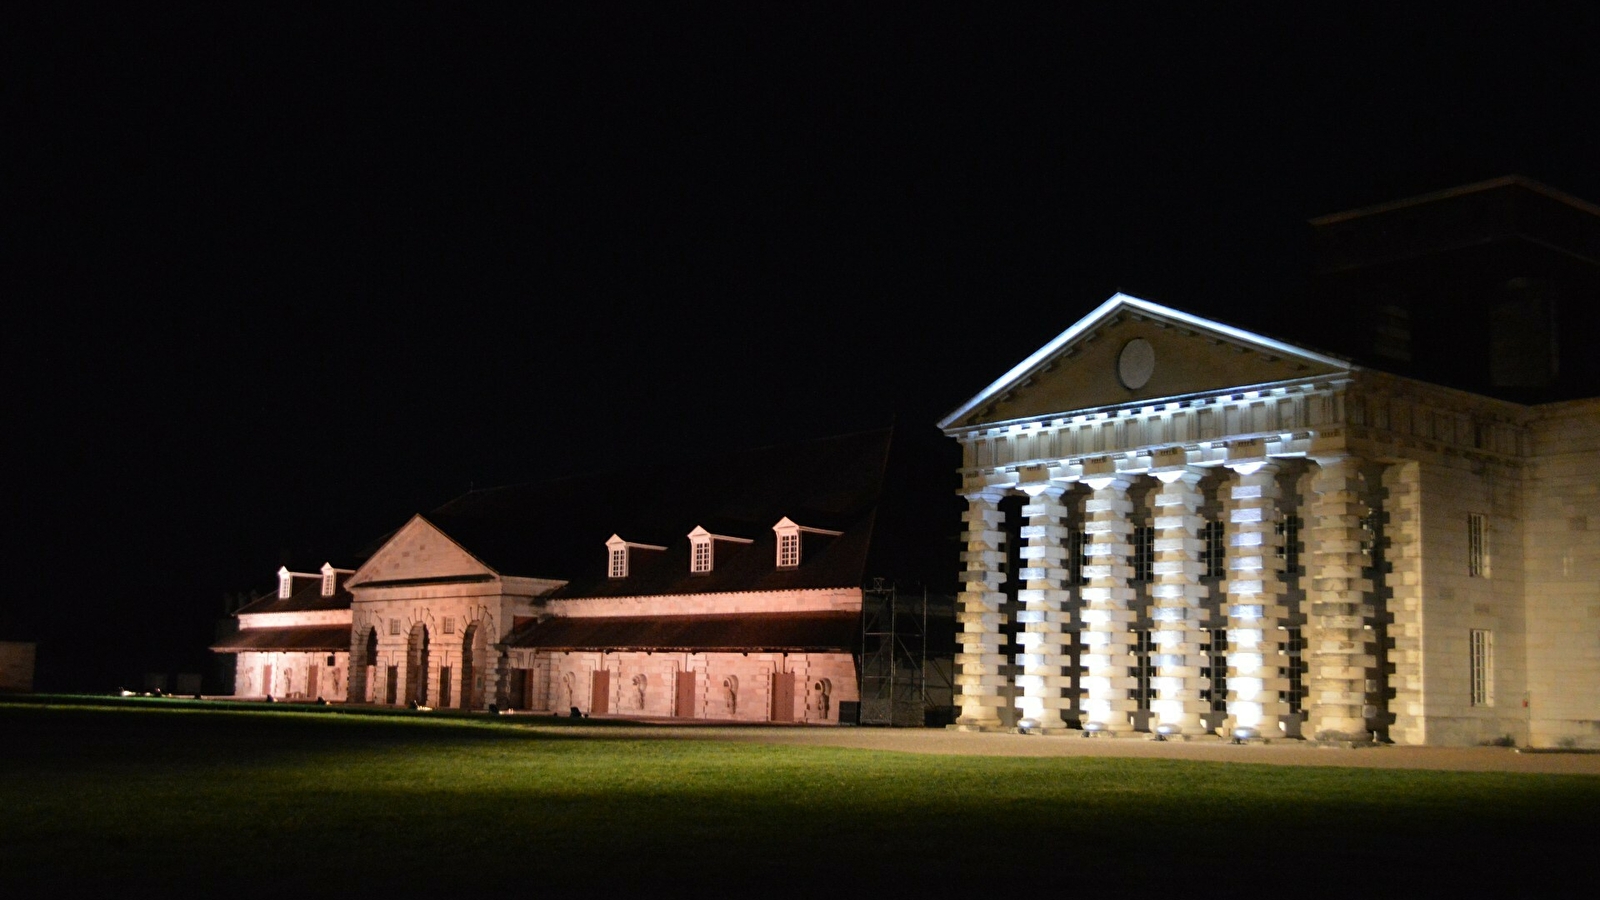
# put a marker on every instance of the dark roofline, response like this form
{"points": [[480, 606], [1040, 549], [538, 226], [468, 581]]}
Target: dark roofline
{"points": [[1462, 190]]}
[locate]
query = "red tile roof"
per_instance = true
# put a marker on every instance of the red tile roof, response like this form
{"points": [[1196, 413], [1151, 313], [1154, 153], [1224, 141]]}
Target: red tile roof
{"points": [[313, 638]]}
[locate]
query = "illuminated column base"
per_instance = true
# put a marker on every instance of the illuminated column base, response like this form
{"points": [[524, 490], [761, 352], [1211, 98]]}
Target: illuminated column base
{"points": [[1403, 482], [1336, 651], [980, 674], [1108, 614], [1179, 618], [1044, 616], [1258, 667]]}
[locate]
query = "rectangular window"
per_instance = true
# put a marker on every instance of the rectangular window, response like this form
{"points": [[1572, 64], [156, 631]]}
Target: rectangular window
{"points": [[1297, 670], [1477, 545], [1216, 670], [1216, 549], [449, 624], [394, 626], [1144, 555], [1482, 665], [1289, 545], [1141, 689], [327, 584], [702, 557], [619, 562], [788, 551]]}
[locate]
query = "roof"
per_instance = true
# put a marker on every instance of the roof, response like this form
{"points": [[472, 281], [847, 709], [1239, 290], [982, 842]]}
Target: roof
{"points": [[305, 596], [1043, 359], [311, 638], [558, 529], [1478, 187], [795, 632]]}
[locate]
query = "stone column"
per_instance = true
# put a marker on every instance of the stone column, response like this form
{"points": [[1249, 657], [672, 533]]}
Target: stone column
{"points": [[1258, 666], [1044, 614], [980, 675], [1403, 486], [1108, 614], [1179, 618], [1336, 606]]}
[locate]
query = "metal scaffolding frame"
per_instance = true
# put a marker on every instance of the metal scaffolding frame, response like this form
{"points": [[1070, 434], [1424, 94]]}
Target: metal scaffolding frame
{"points": [[899, 687]]}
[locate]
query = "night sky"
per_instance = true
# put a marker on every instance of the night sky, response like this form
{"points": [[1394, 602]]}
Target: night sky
{"points": [[280, 278]]}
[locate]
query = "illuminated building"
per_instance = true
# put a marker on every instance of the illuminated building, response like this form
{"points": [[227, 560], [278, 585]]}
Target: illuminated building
{"points": [[1217, 532], [731, 589]]}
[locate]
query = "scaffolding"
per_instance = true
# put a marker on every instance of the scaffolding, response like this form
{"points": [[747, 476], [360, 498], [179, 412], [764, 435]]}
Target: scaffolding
{"points": [[905, 668]]}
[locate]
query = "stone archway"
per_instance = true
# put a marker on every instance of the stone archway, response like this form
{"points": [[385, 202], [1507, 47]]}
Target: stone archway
{"points": [[364, 668], [472, 648], [417, 665]]}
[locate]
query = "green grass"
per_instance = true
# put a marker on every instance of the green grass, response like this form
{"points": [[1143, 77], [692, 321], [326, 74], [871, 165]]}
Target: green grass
{"points": [[267, 802]]}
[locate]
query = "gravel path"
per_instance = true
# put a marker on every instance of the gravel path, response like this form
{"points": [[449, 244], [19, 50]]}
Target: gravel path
{"points": [[918, 740]]}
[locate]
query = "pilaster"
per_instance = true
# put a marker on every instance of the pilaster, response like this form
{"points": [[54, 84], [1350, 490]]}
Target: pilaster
{"points": [[1403, 485], [1179, 618], [980, 675], [1257, 662], [1336, 606], [1108, 614], [1044, 615]]}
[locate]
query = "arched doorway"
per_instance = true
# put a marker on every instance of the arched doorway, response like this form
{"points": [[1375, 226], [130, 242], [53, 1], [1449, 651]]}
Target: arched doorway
{"points": [[471, 694], [364, 668], [417, 665]]}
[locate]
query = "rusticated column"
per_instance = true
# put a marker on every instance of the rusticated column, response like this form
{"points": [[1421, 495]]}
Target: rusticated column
{"points": [[1403, 485], [1179, 618], [980, 675], [1337, 607], [1044, 615], [1108, 613], [1258, 667]]}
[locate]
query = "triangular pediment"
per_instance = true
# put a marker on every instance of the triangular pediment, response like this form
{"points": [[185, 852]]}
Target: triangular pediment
{"points": [[1131, 351], [419, 551]]}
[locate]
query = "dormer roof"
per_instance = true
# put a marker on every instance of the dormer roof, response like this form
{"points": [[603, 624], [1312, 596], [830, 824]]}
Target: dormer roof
{"points": [[554, 529], [305, 595]]}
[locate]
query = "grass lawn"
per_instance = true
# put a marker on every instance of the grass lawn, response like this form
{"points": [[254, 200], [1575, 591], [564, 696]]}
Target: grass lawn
{"points": [[191, 797]]}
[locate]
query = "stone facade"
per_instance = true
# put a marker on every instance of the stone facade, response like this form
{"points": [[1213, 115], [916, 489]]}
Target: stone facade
{"points": [[16, 665], [1226, 534], [753, 621]]}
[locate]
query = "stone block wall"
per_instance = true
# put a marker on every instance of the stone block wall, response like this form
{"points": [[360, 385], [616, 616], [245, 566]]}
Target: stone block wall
{"points": [[289, 675], [16, 665], [1455, 601], [1563, 576], [728, 686]]}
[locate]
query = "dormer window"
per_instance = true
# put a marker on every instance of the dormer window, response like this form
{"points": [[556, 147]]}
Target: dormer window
{"points": [[617, 555], [329, 580], [285, 583], [703, 549], [789, 544]]}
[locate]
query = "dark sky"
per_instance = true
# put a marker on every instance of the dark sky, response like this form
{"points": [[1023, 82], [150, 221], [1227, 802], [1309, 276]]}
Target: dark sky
{"points": [[281, 277]]}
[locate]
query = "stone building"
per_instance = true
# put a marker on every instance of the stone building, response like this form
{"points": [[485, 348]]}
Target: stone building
{"points": [[1212, 531], [731, 589], [294, 643], [1176, 525]]}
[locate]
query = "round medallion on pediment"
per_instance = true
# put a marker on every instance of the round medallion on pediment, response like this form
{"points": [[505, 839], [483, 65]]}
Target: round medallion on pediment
{"points": [[1136, 363]]}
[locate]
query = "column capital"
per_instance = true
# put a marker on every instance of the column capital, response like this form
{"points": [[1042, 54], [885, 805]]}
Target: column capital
{"points": [[1051, 489], [1190, 475], [1254, 466], [984, 495], [1335, 460]]}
